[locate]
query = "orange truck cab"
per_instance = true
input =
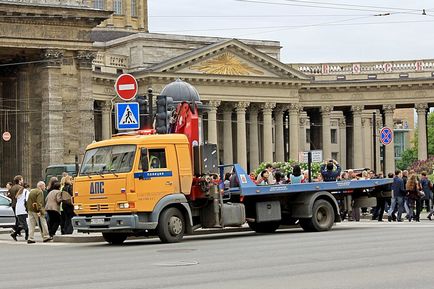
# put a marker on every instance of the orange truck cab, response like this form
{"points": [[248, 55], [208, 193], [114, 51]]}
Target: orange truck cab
{"points": [[127, 183]]}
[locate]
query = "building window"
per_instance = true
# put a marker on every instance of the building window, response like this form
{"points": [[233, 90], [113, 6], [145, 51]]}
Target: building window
{"points": [[117, 7], [98, 4], [334, 136], [133, 8]]}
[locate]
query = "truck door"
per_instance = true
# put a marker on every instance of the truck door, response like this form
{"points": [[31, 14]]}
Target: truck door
{"points": [[159, 179]]}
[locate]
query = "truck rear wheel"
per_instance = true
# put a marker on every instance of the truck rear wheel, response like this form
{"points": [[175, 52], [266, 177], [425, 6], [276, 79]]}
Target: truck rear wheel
{"points": [[323, 217], [265, 227], [171, 226], [114, 238]]}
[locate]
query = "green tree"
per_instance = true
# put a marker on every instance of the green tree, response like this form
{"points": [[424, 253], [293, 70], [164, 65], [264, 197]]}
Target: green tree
{"points": [[409, 156]]}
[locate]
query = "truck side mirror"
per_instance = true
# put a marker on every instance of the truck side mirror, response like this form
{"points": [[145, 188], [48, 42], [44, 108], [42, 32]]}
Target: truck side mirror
{"points": [[144, 159]]}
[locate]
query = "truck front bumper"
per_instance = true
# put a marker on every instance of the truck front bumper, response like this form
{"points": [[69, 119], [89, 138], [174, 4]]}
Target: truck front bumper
{"points": [[102, 223]]}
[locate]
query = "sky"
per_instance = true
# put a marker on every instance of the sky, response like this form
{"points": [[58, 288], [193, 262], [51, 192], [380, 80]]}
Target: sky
{"points": [[309, 31]]}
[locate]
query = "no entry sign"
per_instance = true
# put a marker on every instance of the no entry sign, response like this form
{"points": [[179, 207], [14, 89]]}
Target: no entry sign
{"points": [[126, 87], [6, 136]]}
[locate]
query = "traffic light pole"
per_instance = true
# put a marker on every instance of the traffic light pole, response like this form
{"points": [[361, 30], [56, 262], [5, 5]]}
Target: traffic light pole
{"points": [[150, 108]]}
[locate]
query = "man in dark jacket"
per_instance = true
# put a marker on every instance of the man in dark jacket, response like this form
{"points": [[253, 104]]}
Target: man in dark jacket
{"points": [[13, 191], [329, 174], [398, 195]]}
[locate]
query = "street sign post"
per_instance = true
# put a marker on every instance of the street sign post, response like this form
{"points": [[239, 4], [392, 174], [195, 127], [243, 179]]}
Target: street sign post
{"points": [[386, 136], [126, 87], [316, 156], [127, 116]]}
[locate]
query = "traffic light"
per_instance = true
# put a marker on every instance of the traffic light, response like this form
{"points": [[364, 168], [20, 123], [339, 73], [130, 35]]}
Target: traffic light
{"points": [[164, 112], [144, 111]]}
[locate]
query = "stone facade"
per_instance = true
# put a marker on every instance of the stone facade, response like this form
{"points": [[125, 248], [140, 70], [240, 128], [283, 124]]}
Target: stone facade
{"points": [[57, 91]]}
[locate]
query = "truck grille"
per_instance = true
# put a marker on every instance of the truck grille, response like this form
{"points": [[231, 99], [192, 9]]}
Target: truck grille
{"points": [[99, 207]]}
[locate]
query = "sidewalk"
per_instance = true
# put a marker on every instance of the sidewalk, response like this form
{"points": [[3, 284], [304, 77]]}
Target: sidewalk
{"points": [[97, 237]]}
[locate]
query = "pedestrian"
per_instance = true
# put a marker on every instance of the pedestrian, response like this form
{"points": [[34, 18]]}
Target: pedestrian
{"points": [[271, 180], [13, 191], [398, 194], [427, 187], [279, 178], [264, 176], [21, 213], [296, 177], [67, 211], [50, 186], [413, 198], [227, 181], [328, 173], [36, 212], [52, 206]]}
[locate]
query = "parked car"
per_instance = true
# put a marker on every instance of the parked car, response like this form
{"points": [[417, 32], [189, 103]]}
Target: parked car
{"points": [[57, 170], [7, 216], [3, 192]]}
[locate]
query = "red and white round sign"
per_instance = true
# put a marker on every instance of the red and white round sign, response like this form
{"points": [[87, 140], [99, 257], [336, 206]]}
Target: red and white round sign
{"points": [[6, 136], [126, 87]]}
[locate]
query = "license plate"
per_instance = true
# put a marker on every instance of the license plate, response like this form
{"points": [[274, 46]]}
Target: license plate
{"points": [[97, 221]]}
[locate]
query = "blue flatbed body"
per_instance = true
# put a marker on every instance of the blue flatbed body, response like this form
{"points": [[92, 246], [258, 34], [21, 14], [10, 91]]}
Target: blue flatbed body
{"points": [[248, 188]]}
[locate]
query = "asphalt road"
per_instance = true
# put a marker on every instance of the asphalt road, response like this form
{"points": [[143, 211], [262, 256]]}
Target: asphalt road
{"points": [[352, 255]]}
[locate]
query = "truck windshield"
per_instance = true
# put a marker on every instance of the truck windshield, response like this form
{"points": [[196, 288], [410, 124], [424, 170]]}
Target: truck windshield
{"points": [[110, 159]]}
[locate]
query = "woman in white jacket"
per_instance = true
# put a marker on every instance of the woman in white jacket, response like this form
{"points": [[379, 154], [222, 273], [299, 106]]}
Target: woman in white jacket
{"points": [[21, 213]]}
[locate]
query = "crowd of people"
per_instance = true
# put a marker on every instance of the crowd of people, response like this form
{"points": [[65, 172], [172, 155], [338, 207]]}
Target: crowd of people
{"points": [[409, 193], [47, 207]]}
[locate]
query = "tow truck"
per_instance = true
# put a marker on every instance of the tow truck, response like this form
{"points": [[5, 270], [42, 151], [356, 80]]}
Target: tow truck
{"points": [[163, 182]]}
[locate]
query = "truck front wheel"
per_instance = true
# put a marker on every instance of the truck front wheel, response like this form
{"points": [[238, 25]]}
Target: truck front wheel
{"points": [[114, 238], [323, 217], [171, 226], [265, 227]]}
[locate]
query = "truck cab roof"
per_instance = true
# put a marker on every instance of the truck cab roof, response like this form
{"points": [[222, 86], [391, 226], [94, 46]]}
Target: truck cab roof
{"points": [[141, 139]]}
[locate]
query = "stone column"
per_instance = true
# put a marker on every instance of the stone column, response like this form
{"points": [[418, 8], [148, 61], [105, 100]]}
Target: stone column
{"points": [[52, 145], [86, 131], [110, 8], [390, 148], [343, 143], [326, 133], [379, 125], [280, 149], [228, 157], [367, 142], [294, 112], [422, 149], [357, 136], [302, 140], [212, 121], [267, 110], [253, 137], [240, 108], [106, 120], [25, 134]]}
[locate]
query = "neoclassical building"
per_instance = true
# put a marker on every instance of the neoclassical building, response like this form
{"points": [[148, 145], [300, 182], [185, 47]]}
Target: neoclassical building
{"points": [[259, 108]]}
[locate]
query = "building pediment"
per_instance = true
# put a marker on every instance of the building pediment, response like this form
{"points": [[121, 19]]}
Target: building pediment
{"points": [[228, 58]]}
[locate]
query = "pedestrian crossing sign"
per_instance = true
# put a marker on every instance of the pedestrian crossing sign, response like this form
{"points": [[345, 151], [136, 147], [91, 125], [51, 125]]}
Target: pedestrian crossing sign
{"points": [[127, 116]]}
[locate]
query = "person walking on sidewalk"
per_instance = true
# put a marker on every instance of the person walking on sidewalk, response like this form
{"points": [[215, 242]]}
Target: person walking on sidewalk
{"points": [[398, 194], [36, 211], [67, 207], [21, 213], [52, 206]]}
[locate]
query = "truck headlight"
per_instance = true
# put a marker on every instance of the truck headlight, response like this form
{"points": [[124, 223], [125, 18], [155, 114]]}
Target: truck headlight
{"points": [[78, 207], [124, 205]]}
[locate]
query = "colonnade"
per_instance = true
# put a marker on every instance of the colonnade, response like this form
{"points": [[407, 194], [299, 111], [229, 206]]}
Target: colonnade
{"points": [[260, 133]]}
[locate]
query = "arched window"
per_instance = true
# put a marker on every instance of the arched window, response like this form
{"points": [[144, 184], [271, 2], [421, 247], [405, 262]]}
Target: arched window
{"points": [[117, 7], [133, 8], [99, 4]]}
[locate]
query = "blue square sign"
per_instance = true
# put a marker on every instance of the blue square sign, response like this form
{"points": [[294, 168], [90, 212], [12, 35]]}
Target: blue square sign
{"points": [[127, 116]]}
